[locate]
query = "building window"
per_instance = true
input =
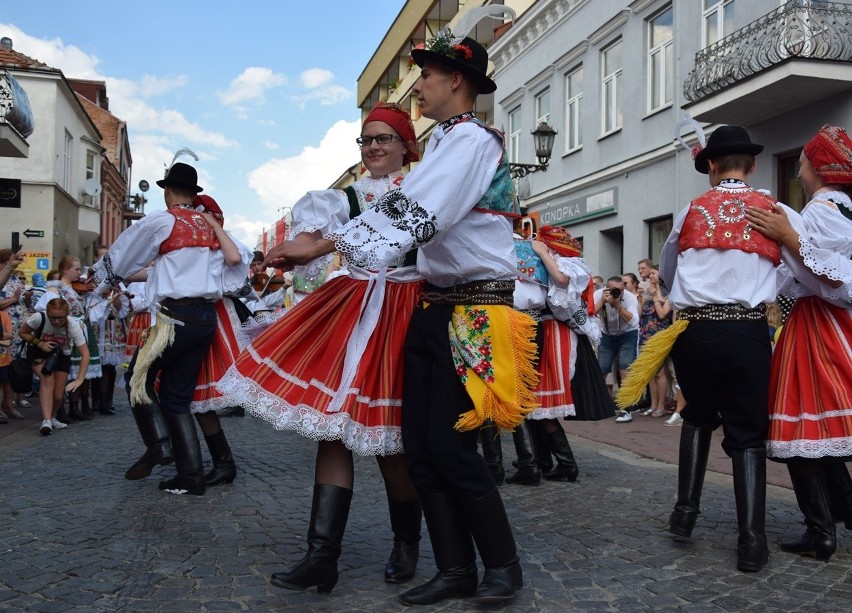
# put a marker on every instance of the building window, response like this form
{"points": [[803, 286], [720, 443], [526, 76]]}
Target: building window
{"points": [[573, 102], [542, 107], [611, 60], [658, 231], [660, 60], [90, 165], [718, 20], [66, 162], [790, 190], [514, 134]]}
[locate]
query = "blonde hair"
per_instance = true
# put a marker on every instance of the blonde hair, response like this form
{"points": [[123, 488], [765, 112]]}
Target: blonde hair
{"points": [[66, 262], [773, 314]]}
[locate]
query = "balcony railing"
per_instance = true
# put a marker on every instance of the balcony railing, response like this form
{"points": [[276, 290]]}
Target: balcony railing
{"points": [[806, 29]]}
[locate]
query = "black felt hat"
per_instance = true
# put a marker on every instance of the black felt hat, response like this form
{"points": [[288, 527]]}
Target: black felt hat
{"points": [[724, 141], [468, 57], [181, 175]]}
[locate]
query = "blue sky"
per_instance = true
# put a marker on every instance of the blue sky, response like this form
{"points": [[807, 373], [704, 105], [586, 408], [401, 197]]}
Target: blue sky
{"points": [[263, 91]]}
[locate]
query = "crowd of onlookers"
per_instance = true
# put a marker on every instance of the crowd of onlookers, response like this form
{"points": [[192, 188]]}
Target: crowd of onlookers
{"points": [[60, 313]]}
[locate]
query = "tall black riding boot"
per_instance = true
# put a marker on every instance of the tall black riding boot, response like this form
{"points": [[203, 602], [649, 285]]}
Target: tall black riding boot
{"points": [[692, 464], [224, 468], [750, 493], [487, 521], [329, 513], [158, 448], [819, 539], [454, 554], [839, 487], [406, 517], [74, 411], [542, 447], [566, 466], [187, 454], [85, 407], [528, 472], [492, 450], [104, 405]]}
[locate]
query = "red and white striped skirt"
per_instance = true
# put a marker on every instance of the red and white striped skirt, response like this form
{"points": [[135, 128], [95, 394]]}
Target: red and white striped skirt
{"points": [[810, 390], [289, 375], [136, 331], [220, 357], [555, 365]]}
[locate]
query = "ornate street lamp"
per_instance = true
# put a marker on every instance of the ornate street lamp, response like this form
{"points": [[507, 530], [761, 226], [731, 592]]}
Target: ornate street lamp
{"points": [[543, 137]]}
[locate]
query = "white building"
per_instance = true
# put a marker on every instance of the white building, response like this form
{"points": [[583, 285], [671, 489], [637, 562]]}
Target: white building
{"points": [[613, 77], [64, 151]]}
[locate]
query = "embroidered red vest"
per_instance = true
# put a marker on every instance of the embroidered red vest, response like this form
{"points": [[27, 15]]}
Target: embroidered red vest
{"points": [[190, 230], [716, 220]]}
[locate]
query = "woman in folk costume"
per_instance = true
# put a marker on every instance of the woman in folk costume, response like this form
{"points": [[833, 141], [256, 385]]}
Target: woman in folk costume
{"points": [[231, 313], [810, 404], [330, 369], [69, 275], [545, 274], [570, 331], [140, 320], [107, 313]]}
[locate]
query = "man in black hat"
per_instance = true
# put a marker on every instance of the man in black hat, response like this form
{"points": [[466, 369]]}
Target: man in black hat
{"points": [[451, 197], [721, 274], [185, 247]]}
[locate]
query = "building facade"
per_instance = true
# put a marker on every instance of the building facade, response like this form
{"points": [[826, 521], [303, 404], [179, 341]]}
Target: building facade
{"points": [[60, 210], [614, 77]]}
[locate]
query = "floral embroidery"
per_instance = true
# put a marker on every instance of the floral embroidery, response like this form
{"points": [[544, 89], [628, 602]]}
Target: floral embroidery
{"points": [[470, 341]]}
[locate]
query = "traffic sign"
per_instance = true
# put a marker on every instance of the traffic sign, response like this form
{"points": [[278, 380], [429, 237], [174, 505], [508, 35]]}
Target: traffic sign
{"points": [[34, 233]]}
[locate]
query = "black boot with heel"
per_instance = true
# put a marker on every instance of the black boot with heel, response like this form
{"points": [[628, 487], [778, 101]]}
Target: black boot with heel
{"points": [[329, 514]]}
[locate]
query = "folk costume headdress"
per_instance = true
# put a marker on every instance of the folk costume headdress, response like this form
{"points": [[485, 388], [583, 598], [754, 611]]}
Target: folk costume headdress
{"points": [[180, 174], [397, 118], [454, 49], [725, 141], [560, 240], [210, 206], [830, 154]]}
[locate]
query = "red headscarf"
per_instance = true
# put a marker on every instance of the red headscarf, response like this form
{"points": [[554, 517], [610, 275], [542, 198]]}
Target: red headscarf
{"points": [[830, 153], [210, 206], [398, 119], [558, 239]]}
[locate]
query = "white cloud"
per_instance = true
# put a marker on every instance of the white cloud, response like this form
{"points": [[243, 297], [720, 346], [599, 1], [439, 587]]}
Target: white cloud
{"points": [[281, 182], [243, 228], [251, 84], [326, 96], [270, 145], [315, 77], [127, 98]]}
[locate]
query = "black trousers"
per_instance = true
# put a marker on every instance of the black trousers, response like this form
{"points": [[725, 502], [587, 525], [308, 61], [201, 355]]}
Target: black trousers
{"points": [[180, 363], [440, 458], [722, 368]]}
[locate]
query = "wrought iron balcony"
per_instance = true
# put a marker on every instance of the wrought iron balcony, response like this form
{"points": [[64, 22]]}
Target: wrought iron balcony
{"points": [[799, 29]]}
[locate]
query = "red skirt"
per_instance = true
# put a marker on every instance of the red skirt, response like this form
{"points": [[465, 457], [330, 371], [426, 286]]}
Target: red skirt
{"points": [[220, 357], [289, 374], [554, 389], [136, 332], [810, 390]]}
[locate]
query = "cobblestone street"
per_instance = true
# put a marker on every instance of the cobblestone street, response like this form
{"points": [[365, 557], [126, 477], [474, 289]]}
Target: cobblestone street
{"points": [[77, 537]]}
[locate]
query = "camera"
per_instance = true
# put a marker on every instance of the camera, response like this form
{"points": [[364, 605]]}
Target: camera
{"points": [[50, 361], [615, 292]]}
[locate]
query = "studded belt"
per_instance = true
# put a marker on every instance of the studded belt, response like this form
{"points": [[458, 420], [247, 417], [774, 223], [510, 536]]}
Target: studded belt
{"points": [[722, 312], [476, 292]]}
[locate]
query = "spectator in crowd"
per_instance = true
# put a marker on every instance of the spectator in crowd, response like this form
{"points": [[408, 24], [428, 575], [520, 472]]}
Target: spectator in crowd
{"points": [[618, 313]]}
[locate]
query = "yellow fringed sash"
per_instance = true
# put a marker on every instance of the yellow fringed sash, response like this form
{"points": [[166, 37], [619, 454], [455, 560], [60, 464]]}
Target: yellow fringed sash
{"points": [[646, 365], [160, 336], [494, 350]]}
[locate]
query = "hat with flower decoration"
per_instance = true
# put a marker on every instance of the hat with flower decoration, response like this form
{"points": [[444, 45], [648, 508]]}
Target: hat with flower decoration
{"points": [[454, 49]]}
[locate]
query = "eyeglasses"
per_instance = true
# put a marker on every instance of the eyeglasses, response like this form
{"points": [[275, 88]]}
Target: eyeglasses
{"points": [[382, 139], [60, 318]]}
